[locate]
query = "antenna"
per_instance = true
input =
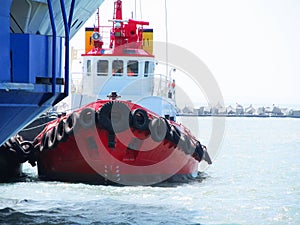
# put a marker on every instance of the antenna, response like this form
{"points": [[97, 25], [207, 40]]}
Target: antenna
{"points": [[166, 25], [141, 9], [135, 9], [98, 20]]}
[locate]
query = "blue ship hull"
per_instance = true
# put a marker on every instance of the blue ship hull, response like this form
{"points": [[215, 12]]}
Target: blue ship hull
{"points": [[34, 43]]}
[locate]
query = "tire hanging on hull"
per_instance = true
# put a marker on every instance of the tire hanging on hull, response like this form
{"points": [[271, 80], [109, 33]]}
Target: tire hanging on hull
{"points": [[44, 142], [71, 123], [186, 145], [61, 134], [114, 117], [87, 118], [173, 135], [158, 129], [140, 120]]}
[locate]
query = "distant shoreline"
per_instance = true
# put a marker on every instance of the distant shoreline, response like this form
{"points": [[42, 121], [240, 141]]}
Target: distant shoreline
{"points": [[240, 111], [249, 116]]}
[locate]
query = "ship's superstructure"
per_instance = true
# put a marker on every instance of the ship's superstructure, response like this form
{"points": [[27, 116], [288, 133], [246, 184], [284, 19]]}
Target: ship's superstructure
{"points": [[126, 66]]}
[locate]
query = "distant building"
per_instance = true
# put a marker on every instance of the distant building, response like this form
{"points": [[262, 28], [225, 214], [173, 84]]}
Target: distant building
{"points": [[207, 110], [261, 111], [222, 110], [230, 110], [285, 111], [214, 110], [187, 110], [268, 110], [295, 113], [196, 111], [218, 109], [250, 110], [199, 111], [239, 109], [276, 111]]}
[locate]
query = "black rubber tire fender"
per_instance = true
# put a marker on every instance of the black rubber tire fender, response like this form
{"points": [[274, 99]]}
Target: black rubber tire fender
{"points": [[27, 147], [44, 142], [158, 129], [175, 134], [52, 140], [121, 117], [61, 135], [114, 117], [140, 119], [87, 118], [71, 123], [169, 134], [11, 141], [104, 117], [185, 144], [199, 150]]}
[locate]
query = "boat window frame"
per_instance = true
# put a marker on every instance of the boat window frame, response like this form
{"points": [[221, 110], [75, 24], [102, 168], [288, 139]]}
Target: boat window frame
{"points": [[146, 68], [135, 71], [115, 70], [88, 67], [105, 72]]}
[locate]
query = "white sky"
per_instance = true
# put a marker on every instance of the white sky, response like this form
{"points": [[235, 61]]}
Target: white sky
{"points": [[252, 47]]}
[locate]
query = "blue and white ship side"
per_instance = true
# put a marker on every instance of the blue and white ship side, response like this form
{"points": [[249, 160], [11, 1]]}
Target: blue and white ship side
{"points": [[34, 57]]}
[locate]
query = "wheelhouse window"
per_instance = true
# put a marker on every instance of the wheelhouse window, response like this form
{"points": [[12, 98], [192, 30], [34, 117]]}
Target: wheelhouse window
{"points": [[117, 67], [89, 67], [102, 67], [146, 69], [132, 68]]}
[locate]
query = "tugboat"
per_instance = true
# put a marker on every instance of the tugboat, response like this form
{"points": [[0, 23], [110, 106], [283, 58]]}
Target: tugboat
{"points": [[120, 133]]}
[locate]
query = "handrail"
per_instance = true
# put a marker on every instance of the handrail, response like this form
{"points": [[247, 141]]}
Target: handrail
{"points": [[67, 25], [67, 41], [71, 13], [53, 47]]}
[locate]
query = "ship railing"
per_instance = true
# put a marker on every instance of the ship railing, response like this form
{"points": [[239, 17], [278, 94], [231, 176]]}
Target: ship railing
{"points": [[76, 83], [162, 85]]}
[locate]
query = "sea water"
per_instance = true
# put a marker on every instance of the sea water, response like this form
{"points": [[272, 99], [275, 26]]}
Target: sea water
{"points": [[255, 179]]}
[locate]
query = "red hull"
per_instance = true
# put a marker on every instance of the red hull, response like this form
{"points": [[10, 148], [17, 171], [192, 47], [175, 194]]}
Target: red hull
{"points": [[93, 153]]}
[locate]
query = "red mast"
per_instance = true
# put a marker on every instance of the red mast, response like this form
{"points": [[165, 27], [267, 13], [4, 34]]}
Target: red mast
{"points": [[118, 10], [98, 42], [125, 32], [117, 29]]}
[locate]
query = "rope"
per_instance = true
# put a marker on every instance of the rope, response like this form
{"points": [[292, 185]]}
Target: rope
{"points": [[46, 116], [31, 128]]}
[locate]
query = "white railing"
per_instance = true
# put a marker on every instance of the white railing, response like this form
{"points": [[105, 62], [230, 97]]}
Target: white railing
{"points": [[162, 84]]}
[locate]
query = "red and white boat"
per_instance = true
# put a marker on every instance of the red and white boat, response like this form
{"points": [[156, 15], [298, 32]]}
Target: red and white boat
{"points": [[121, 131]]}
